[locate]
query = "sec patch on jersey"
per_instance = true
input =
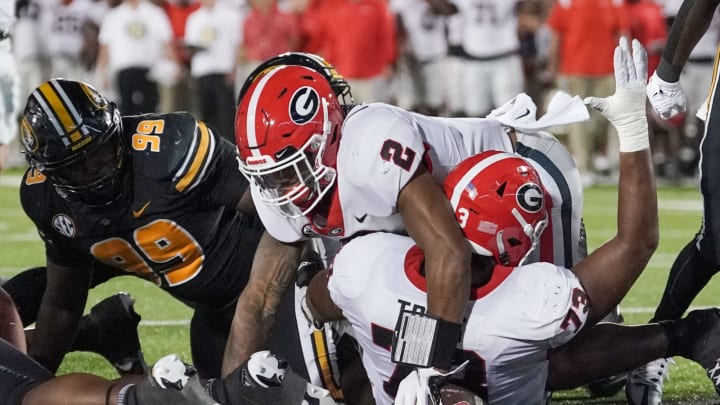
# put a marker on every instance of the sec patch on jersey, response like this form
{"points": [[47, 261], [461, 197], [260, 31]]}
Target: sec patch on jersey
{"points": [[451, 394]]}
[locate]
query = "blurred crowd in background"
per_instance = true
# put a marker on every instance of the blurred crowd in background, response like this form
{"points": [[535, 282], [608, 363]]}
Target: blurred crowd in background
{"points": [[439, 57]]}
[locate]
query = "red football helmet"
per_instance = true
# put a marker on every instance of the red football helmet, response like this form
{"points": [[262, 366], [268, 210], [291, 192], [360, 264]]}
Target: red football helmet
{"points": [[288, 130], [499, 202]]}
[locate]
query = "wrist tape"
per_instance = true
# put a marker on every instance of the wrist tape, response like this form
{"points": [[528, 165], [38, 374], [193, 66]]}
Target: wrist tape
{"points": [[424, 341]]}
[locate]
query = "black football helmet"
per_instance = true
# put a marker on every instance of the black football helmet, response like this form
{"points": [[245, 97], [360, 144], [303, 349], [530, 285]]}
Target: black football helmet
{"points": [[73, 135], [340, 86]]}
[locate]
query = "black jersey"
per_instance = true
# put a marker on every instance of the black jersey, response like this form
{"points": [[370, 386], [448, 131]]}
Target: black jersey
{"points": [[176, 225]]}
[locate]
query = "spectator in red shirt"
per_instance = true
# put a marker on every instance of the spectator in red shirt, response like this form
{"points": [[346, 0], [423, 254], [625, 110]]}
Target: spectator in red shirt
{"points": [[311, 25], [269, 30], [179, 96], [647, 24], [584, 35], [358, 38]]}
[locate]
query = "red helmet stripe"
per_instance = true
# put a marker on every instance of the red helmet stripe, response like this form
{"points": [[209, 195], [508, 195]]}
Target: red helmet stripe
{"points": [[467, 178], [250, 133]]}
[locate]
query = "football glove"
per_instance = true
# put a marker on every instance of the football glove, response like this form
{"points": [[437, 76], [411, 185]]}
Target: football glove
{"points": [[422, 386], [626, 108], [170, 381], [667, 99]]}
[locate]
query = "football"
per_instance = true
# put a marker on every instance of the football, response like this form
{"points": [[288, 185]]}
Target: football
{"points": [[452, 394]]}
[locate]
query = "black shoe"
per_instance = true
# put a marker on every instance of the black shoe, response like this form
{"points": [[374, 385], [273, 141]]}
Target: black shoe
{"points": [[117, 323], [704, 342], [607, 387]]}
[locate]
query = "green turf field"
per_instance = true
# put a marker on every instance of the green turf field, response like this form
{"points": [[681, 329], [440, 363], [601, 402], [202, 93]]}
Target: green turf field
{"points": [[165, 322]]}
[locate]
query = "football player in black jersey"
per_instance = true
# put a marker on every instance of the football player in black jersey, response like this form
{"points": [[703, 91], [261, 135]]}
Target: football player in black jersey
{"points": [[157, 196], [264, 378]]}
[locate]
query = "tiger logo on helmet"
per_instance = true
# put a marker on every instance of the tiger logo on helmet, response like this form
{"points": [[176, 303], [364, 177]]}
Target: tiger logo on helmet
{"points": [[499, 202]]}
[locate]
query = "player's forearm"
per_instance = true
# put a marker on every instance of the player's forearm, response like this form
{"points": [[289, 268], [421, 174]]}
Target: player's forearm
{"points": [[272, 273], [448, 284], [10, 324], [54, 333], [692, 21], [59, 314], [637, 207], [248, 334]]}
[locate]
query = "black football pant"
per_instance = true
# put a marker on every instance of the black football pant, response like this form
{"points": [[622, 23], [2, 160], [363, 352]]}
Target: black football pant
{"points": [[699, 260], [18, 374], [217, 104], [138, 94]]}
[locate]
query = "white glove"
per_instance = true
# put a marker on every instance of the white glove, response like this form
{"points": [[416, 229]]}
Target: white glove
{"points": [[172, 381], [170, 371], [668, 99], [266, 369], [626, 108], [422, 386], [415, 388]]}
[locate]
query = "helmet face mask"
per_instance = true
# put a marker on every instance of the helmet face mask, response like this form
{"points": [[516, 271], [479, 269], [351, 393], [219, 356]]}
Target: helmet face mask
{"points": [[298, 184], [97, 178], [73, 135], [499, 203], [287, 135]]}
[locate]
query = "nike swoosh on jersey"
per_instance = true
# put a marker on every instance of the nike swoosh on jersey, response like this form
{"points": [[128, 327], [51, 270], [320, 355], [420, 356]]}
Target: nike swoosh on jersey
{"points": [[525, 114], [138, 213], [361, 219]]}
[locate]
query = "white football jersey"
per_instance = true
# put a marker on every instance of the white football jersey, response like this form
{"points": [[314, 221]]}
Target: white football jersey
{"points": [[511, 323], [380, 150], [62, 27], [7, 15], [489, 26], [562, 243], [425, 29]]}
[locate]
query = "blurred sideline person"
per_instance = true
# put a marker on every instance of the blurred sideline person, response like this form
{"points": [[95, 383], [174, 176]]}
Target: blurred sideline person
{"points": [[263, 379], [135, 44], [155, 196], [512, 325], [423, 49], [492, 69], [213, 38], [9, 82], [63, 35], [699, 260], [581, 62]]}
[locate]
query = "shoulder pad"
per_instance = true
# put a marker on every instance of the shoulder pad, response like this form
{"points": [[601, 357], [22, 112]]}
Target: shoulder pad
{"points": [[379, 142], [173, 147]]}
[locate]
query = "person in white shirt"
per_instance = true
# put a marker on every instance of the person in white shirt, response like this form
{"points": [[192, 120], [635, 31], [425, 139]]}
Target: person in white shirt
{"points": [[135, 43], [9, 81], [492, 69], [212, 33], [422, 33], [62, 22]]}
